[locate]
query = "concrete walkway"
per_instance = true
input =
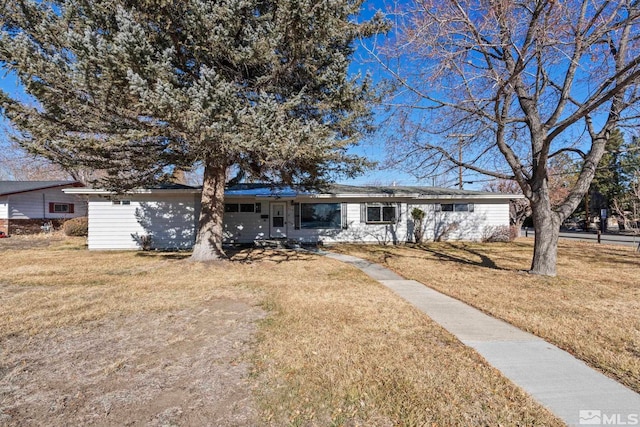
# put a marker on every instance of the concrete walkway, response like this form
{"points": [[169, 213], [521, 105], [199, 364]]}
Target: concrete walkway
{"points": [[569, 388]]}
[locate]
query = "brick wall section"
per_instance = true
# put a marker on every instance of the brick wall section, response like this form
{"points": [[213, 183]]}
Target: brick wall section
{"points": [[4, 225], [31, 226]]}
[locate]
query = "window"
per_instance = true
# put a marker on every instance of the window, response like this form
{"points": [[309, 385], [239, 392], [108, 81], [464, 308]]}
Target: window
{"points": [[381, 213], [457, 207], [319, 215], [247, 207], [231, 207], [242, 207], [60, 208], [121, 202]]}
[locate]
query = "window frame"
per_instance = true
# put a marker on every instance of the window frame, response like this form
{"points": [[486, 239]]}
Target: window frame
{"points": [[242, 208], [247, 207], [54, 205], [298, 216], [381, 207], [457, 207]]}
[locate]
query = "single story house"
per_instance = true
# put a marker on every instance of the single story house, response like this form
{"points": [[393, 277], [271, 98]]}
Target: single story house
{"points": [[167, 216], [25, 206]]}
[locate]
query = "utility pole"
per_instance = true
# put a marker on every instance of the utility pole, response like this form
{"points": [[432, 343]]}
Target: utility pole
{"points": [[460, 137]]}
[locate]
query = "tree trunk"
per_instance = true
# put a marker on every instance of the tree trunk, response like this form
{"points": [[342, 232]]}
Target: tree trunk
{"points": [[208, 246], [517, 227], [545, 248]]}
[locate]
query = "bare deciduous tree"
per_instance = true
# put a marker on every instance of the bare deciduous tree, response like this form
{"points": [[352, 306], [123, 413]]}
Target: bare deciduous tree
{"points": [[627, 207], [530, 80], [519, 209], [17, 164]]}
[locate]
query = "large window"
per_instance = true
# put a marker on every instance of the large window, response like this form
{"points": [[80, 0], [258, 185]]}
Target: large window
{"points": [[320, 215], [381, 213]]}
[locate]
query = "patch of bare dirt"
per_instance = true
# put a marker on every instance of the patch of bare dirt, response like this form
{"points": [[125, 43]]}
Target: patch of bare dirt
{"points": [[186, 367]]}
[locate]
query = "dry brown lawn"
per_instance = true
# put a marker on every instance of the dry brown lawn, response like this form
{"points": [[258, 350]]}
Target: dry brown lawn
{"points": [[592, 309], [151, 338]]}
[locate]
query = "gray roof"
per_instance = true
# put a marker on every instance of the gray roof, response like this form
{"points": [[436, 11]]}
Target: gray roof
{"points": [[13, 187], [338, 190], [401, 190], [270, 190]]}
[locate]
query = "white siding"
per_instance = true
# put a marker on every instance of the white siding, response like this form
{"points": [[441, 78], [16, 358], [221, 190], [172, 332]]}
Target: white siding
{"points": [[356, 230], [249, 227], [4, 211], [460, 225], [170, 222], [246, 227], [35, 204]]}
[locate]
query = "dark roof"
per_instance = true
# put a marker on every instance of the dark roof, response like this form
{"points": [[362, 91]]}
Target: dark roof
{"points": [[278, 191], [266, 190], [263, 190], [173, 186], [400, 190], [13, 187]]}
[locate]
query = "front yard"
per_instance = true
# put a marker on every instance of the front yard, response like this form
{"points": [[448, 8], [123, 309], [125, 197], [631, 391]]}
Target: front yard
{"points": [[271, 338], [592, 309]]}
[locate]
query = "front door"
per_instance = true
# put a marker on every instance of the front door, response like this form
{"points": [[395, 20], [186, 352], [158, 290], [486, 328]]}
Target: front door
{"points": [[278, 221]]}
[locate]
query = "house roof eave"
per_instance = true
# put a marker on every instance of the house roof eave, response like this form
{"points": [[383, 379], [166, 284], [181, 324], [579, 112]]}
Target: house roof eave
{"points": [[44, 186]]}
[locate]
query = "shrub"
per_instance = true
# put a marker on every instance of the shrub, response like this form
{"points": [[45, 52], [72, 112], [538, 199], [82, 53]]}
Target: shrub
{"points": [[499, 233], [145, 241], [76, 227]]}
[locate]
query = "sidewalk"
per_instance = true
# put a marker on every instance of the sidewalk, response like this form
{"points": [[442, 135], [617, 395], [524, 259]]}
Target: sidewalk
{"points": [[574, 392]]}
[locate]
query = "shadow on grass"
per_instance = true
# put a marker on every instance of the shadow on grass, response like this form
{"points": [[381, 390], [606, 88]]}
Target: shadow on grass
{"points": [[601, 254], [163, 255], [449, 255], [249, 255], [239, 255], [459, 253]]}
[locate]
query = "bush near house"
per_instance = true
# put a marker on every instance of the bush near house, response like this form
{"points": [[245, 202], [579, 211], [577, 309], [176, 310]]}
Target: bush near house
{"points": [[78, 227]]}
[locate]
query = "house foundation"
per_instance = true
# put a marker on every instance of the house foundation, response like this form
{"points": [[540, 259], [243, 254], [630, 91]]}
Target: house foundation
{"points": [[4, 226]]}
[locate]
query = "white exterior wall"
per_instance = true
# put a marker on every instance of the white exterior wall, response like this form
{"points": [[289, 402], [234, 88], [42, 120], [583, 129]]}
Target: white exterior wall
{"points": [[170, 220], [246, 227], [461, 225], [35, 204], [356, 230], [4, 208]]}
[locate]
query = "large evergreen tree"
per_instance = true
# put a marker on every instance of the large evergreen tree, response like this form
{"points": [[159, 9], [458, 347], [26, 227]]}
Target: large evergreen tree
{"points": [[608, 181], [137, 88]]}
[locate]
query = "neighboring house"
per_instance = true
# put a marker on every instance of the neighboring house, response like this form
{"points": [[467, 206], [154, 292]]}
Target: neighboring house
{"points": [[26, 205], [168, 215]]}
